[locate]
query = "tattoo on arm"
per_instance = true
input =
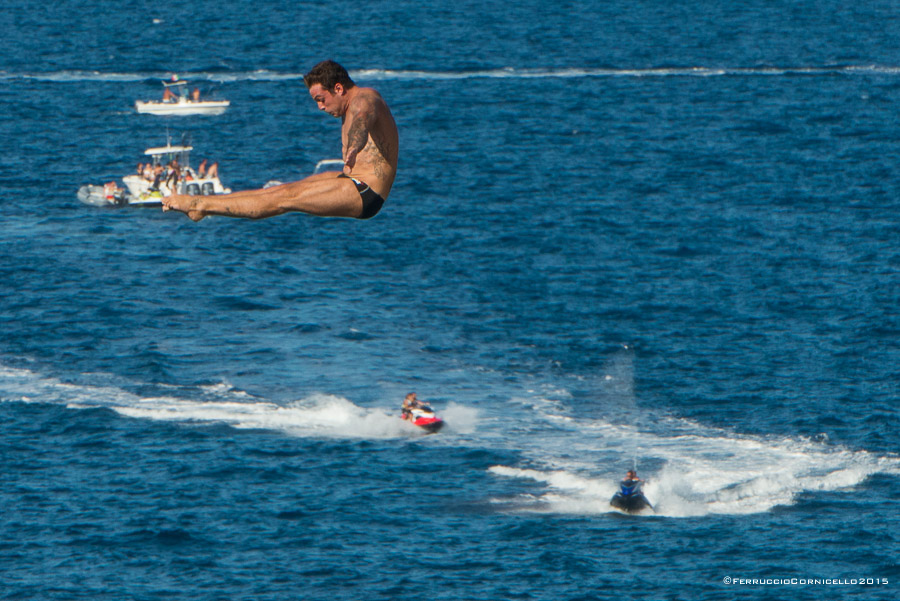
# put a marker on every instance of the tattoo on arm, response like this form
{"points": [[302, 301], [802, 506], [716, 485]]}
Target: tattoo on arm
{"points": [[363, 116], [358, 134]]}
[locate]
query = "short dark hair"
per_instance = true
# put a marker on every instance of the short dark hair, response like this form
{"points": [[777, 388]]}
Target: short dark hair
{"points": [[328, 74]]}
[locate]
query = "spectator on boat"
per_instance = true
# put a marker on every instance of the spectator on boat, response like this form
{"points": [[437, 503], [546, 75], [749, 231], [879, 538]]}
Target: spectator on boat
{"points": [[195, 95], [168, 96], [213, 171], [173, 174], [201, 170], [156, 177]]}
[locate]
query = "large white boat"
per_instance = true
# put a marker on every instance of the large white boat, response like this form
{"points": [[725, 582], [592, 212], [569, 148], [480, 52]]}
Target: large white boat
{"points": [[167, 172], [178, 101]]}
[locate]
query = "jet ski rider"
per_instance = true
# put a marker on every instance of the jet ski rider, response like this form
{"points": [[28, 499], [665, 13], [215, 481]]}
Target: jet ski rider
{"points": [[410, 403], [632, 481]]}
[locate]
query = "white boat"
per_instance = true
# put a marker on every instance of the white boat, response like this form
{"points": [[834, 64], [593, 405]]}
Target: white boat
{"points": [[107, 194], [321, 167], [329, 165], [177, 101], [158, 181]]}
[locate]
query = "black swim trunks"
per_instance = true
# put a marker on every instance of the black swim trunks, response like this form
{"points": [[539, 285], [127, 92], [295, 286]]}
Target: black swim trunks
{"points": [[372, 202]]}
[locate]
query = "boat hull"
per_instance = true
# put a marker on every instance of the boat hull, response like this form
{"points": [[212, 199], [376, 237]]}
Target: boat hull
{"points": [[203, 107], [108, 195], [140, 192]]}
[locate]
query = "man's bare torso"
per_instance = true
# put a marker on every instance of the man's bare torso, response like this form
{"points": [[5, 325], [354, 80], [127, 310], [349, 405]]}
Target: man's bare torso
{"points": [[376, 163]]}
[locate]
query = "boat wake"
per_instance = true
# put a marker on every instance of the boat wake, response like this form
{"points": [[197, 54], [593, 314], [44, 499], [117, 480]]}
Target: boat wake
{"points": [[737, 483], [690, 469], [264, 75], [575, 462], [578, 459], [318, 415]]}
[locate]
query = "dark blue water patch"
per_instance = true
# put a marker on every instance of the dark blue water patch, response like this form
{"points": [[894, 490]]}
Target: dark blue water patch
{"points": [[174, 537], [355, 335], [293, 515], [766, 128], [231, 303], [308, 328], [431, 348]]}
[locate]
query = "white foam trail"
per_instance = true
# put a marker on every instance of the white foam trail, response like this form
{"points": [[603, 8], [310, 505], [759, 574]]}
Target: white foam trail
{"points": [[568, 493], [460, 418], [503, 73], [712, 472], [691, 470], [319, 415]]}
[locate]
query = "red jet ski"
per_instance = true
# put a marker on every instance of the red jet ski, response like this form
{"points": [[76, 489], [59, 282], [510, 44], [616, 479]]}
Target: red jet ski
{"points": [[424, 417]]}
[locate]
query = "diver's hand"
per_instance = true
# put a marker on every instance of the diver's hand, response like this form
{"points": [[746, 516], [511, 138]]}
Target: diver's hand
{"points": [[349, 160], [185, 203]]}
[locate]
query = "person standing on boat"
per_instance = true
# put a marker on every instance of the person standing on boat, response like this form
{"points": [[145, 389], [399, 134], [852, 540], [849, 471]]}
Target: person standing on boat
{"points": [[370, 144], [173, 174]]}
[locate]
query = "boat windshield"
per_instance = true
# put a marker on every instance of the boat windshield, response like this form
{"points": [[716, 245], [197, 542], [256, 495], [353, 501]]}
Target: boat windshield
{"points": [[329, 165], [165, 155], [177, 89]]}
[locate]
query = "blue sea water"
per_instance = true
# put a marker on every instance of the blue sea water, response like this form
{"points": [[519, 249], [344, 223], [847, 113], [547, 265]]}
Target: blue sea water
{"points": [[622, 234]]}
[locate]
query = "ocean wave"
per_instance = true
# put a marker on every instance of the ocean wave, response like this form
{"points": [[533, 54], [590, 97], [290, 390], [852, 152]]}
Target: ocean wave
{"points": [[263, 75]]}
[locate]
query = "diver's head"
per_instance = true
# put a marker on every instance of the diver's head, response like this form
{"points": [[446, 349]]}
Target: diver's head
{"points": [[631, 474]]}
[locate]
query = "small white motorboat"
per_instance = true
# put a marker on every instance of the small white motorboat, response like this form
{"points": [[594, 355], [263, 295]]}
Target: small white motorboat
{"points": [[177, 101], [107, 194], [321, 167], [329, 165], [168, 172]]}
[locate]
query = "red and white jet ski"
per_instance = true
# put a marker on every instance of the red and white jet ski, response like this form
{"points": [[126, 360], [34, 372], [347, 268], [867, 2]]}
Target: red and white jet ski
{"points": [[424, 417]]}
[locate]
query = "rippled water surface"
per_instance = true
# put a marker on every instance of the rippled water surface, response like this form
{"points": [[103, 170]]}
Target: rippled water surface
{"points": [[621, 235]]}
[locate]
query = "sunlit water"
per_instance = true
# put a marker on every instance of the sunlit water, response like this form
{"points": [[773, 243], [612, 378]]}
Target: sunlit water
{"points": [[621, 236]]}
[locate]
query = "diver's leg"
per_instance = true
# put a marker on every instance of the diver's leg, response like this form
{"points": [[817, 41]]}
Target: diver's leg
{"points": [[325, 195]]}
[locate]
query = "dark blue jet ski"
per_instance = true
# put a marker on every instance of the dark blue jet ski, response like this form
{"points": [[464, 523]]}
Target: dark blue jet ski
{"points": [[630, 499]]}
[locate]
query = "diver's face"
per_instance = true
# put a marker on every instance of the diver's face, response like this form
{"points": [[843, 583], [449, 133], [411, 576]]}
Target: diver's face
{"points": [[330, 101]]}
